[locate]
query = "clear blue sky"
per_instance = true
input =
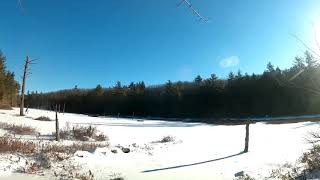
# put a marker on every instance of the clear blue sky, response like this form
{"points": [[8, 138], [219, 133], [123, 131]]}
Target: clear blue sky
{"points": [[85, 43]]}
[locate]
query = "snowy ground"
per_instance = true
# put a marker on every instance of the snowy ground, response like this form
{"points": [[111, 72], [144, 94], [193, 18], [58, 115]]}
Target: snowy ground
{"points": [[201, 151]]}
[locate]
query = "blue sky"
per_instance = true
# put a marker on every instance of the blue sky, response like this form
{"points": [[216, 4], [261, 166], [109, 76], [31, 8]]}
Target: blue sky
{"points": [[85, 43]]}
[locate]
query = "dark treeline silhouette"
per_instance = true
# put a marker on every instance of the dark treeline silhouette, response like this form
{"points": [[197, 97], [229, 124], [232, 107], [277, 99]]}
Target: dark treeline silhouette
{"points": [[275, 92], [8, 86]]}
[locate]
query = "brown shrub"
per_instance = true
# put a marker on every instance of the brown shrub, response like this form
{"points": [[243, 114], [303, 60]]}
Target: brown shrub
{"points": [[101, 137], [43, 118], [9, 145], [19, 129], [82, 133]]}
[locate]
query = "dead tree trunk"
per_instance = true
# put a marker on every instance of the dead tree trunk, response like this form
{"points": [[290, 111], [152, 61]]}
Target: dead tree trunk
{"points": [[25, 73], [57, 125], [246, 146]]}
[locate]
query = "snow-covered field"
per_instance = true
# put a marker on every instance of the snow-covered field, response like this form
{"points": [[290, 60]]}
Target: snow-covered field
{"points": [[200, 151]]}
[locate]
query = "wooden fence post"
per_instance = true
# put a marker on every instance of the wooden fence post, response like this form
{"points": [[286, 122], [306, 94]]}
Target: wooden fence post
{"points": [[246, 146], [64, 107], [57, 125]]}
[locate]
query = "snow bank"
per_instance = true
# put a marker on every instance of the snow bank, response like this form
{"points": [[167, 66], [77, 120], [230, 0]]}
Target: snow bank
{"points": [[201, 151]]}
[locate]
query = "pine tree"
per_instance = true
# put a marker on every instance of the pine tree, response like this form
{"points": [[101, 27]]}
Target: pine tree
{"points": [[198, 80]]}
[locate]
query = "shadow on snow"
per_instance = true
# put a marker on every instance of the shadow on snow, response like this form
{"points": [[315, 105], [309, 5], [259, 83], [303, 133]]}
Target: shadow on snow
{"points": [[192, 164]]}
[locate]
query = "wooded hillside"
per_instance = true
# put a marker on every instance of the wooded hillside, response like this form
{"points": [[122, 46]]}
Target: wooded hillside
{"points": [[275, 92]]}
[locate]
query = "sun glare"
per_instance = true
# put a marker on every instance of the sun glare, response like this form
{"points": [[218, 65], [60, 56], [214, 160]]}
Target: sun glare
{"points": [[316, 36]]}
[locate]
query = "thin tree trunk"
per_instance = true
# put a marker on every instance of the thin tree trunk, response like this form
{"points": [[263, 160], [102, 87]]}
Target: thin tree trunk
{"points": [[25, 72]]}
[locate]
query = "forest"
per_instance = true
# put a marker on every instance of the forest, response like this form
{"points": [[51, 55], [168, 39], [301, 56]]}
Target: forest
{"points": [[275, 92], [9, 88]]}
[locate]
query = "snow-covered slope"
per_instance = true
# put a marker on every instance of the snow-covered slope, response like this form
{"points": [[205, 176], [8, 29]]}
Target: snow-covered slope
{"points": [[201, 151]]}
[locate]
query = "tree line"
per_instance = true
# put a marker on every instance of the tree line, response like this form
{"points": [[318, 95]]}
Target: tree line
{"points": [[275, 92], [9, 88]]}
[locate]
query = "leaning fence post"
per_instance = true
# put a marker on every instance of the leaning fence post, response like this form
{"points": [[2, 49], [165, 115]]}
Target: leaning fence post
{"points": [[57, 125], [246, 146]]}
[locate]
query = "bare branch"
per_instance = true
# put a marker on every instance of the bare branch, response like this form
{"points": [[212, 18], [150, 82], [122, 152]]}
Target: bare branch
{"points": [[305, 45], [20, 5], [314, 137], [193, 10], [33, 60], [316, 36]]}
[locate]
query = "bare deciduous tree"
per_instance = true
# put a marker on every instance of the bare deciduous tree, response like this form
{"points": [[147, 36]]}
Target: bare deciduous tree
{"points": [[25, 74]]}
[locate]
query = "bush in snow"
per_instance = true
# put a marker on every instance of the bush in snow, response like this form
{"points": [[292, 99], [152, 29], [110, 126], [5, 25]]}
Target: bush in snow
{"points": [[286, 172], [166, 139], [82, 133], [311, 159], [43, 118], [307, 166], [116, 176], [244, 177]]}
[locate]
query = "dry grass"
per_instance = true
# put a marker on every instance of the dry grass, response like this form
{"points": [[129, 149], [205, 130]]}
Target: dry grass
{"points": [[245, 177], [43, 118], [9, 145], [82, 134], [71, 149], [86, 176], [19, 129], [5, 107], [286, 171], [116, 176]]}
